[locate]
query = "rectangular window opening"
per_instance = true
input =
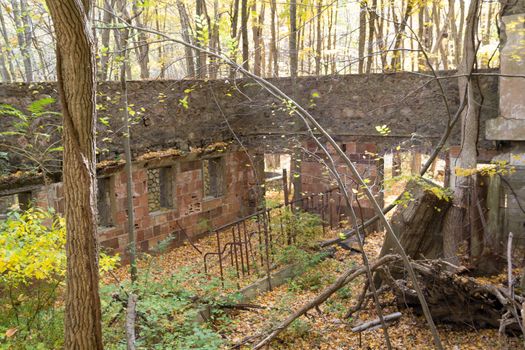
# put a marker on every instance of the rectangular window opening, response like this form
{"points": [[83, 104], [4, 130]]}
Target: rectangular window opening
{"points": [[17, 201], [160, 188], [104, 208], [213, 177]]}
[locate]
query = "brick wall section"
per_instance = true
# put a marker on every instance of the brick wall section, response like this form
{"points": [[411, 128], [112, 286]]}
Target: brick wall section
{"points": [[316, 178], [191, 211]]}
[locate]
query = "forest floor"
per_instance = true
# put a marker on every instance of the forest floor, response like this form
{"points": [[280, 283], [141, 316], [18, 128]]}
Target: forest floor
{"points": [[324, 328], [328, 329]]}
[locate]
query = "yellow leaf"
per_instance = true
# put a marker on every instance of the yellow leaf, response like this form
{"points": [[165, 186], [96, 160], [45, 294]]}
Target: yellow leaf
{"points": [[10, 332]]}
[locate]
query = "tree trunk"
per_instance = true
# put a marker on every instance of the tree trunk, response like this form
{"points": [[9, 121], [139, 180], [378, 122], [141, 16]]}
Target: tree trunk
{"points": [[23, 35], [76, 70], [274, 55], [199, 26], [186, 36], [10, 74], [454, 230], [141, 43], [244, 35], [362, 37], [126, 137], [396, 63], [371, 26], [104, 40], [257, 29], [293, 40]]}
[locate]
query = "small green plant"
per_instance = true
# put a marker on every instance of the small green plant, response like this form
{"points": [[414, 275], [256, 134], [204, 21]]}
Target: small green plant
{"points": [[167, 312]]}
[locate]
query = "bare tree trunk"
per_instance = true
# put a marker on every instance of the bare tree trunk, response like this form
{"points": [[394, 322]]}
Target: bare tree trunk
{"points": [[396, 62], [454, 225], [319, 39], [371, 26], [126, 136], [293, 40], [23, 34], [488, 24], [362, 36], [104, 40], [244, 34], [76, 69], [186, 35], [141, 43], [459, 37], [257, 28], [199, 25], [274, 55], [422, 63], [160, 51], [10, 72], [214, 40], [233, 35]]}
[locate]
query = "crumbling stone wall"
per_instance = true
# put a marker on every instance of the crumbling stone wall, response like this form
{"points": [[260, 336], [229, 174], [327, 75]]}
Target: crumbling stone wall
{"points": [[193, 215], [191, 113]]}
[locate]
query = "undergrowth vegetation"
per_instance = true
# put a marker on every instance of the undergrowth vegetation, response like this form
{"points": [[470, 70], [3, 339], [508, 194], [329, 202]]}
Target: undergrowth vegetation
{"points": [[176, 309]]}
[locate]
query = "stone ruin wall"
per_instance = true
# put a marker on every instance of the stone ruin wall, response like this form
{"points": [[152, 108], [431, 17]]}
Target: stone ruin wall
{"points": [[350, 107]]}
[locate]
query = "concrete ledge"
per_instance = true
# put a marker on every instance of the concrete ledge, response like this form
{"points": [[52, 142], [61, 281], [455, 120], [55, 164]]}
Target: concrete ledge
{"points": [[505, 129]]}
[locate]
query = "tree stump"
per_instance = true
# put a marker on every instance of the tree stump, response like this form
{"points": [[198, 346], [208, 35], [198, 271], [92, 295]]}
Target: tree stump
{"points": [[417, 222]]}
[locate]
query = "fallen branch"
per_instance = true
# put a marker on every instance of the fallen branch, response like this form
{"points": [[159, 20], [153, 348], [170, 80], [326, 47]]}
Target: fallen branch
{"points": [[374, 323], [341, 281]]}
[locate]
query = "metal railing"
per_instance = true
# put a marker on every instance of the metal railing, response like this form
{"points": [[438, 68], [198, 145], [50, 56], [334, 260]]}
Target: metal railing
{"points": [[248, 245]]}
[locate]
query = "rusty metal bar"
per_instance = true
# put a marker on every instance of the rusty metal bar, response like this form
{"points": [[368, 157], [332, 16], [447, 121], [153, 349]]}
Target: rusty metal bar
{"points": [[220, 257], [246, 247], [234, 244]]}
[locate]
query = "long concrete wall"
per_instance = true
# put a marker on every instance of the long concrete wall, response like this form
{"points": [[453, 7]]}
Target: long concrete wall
{"points": [[185, 114]]}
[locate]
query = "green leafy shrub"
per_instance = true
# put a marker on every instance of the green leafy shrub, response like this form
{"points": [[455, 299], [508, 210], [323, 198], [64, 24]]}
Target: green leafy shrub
{"points": [[32, 271], [167, 312], [303, 228]]}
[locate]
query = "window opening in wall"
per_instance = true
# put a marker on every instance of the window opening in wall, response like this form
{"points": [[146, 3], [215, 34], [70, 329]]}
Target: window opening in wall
{"points": [[105, 217], [213, 177], [160, 188], [17, 201]]}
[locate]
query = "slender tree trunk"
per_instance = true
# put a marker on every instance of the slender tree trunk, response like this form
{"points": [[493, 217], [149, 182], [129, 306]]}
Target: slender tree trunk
{"points": [[160, 53], [23, 34], [126, 137], [141, 43], [422, 64], [396, 63], [334, 39], [234, 46], [199, 26], [244, 34], [488, 24], [257, 29], [76, 69], [454, 225], [293, 40], [104, 40], [319, 39], [186, 36], [362, 36], [371, 25], [274, 55], [214, 40], [459, 37], [10, 74]]}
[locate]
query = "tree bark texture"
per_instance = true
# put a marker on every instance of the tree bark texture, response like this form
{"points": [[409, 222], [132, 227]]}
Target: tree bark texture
{"points": [[76, 70], [455, 229], [417, 223]]}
